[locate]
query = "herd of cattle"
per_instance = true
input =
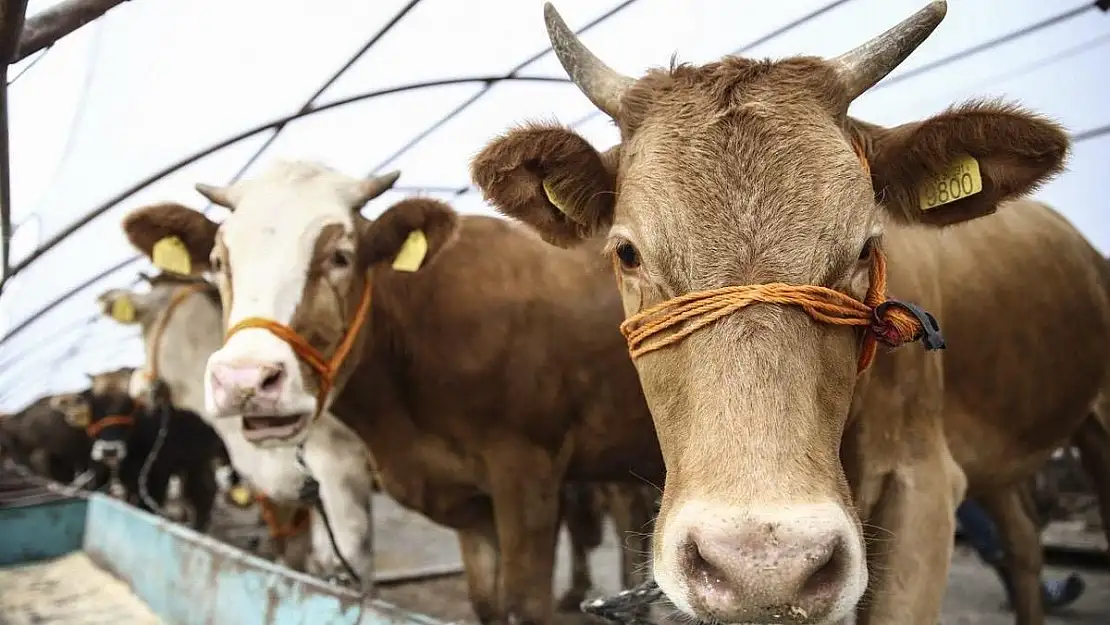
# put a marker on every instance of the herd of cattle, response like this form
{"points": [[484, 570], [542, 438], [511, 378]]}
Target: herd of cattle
{"points": [[701, 302]]}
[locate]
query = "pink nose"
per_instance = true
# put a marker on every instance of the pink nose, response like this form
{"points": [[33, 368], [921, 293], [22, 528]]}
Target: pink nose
{"points": [[255, 385], [763, 572]]}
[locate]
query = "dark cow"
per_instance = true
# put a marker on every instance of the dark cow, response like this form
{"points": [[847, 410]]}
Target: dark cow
{"points": [[39, 438], [124, 432]]}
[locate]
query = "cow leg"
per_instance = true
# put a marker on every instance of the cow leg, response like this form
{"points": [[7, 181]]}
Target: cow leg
{"points": [[1093, 441], [1024, 555], [481, 564], [583, 518], [913, 521], [200, 492], [633, 512], [525, 485], [345, 498]]}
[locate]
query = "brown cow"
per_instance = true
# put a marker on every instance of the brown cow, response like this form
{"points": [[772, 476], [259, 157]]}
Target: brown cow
{"points": [[779, 452], [480, 382], [39, 438], [182, 317]]}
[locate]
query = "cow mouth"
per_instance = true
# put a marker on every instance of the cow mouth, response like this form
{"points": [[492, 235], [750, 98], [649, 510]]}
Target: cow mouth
{"points": [[273, 427]]}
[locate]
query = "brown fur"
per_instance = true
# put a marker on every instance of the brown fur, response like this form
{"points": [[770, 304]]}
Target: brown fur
{"points": [[147, 227], [479, 387], [117, 381], [742, 172]]}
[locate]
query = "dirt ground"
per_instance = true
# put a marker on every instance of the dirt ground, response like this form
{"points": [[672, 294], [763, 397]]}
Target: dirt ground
{"points": [[406, 542]]}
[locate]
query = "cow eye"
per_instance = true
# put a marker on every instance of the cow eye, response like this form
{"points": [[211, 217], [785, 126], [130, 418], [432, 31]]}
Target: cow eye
{"points": [[628, 256]]}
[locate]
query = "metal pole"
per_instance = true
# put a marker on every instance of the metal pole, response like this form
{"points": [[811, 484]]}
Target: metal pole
{"points": [[47, 27], [188, 160], [12, 13]]}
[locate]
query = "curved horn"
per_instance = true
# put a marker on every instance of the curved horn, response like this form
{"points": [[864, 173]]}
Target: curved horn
{"points": [[373, 187], [603, 85], [220, 196], [866, 65]]}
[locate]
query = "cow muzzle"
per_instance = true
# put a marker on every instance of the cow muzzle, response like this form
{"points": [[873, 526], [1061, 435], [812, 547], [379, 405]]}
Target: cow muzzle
{"points": [[108, 453], [263, 390], [800, 563], [272, 415]]}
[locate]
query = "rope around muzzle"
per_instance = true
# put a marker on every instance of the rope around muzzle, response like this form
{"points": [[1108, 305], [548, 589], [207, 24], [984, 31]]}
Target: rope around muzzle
{"points": [[326, 369], [889, 321]]}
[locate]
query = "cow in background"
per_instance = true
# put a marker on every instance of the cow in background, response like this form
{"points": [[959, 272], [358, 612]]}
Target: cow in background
{"points": [[39, 438]]}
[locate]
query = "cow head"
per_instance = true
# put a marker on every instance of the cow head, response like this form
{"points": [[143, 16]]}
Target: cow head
{"points": [[74, 408], [112, 414], [293, 263], [177, 328], [745, 172]]}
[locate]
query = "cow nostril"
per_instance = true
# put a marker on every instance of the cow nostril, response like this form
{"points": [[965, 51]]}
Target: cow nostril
{"points": [[272, 379], [827, 571]]}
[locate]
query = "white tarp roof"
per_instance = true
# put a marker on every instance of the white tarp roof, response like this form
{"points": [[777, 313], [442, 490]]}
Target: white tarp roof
{"points": [[155, 81]]}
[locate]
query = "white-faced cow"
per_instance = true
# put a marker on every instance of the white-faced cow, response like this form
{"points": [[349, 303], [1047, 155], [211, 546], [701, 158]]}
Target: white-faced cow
{"points": [[182, 325], [481, 366], [755, 231]]}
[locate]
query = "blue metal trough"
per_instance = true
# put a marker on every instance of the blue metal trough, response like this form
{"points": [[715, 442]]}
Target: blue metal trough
{"points": [[67, 559]]}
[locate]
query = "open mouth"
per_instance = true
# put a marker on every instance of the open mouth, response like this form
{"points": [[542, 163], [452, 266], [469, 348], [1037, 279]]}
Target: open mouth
{"points": [[270, 427]]}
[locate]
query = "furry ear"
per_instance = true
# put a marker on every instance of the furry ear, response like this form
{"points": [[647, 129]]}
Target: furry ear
{"points": [[122, 305], [411, 233], [962, 163], [146, 227], [551, 179]]}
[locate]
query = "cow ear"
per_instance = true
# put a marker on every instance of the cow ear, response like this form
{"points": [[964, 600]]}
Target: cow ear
{"points": [[409, 234], [175, 238], [960, 164], [551, 179], [122, 305]]}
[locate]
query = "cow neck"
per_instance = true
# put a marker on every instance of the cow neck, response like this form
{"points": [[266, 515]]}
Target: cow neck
{"points": [[326, 369], [885, 320], [161, 325]]}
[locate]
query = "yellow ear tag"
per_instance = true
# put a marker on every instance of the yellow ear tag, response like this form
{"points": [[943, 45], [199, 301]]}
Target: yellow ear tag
{"points": [[551, 197], [123, 309], [412, 252], [241, 495], [960, 180], [170, 254]]}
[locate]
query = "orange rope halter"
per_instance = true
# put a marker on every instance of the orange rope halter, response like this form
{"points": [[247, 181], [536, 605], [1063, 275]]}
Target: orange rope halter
{"points": [[892, 322], [279, 531], [94, 429], [326, 370]]}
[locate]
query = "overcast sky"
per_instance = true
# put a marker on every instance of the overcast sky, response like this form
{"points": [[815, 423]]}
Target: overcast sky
{"points": [[156, 81]]}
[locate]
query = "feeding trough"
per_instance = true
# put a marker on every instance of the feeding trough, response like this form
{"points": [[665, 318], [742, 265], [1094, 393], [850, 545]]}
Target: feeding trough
{"points": [[68, 558]]}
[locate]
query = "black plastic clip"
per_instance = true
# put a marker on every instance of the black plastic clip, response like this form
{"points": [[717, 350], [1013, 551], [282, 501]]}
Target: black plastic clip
{"points": [[931, 337], [628, 607]]}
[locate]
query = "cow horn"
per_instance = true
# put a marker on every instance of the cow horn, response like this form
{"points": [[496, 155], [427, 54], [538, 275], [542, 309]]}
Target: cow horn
{"points": [[373, 187], [866, 65], [220, 196], [603, 85]]}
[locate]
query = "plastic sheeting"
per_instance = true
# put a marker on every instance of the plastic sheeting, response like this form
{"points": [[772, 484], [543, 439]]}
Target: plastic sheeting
{"points": [[155, 81]]}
